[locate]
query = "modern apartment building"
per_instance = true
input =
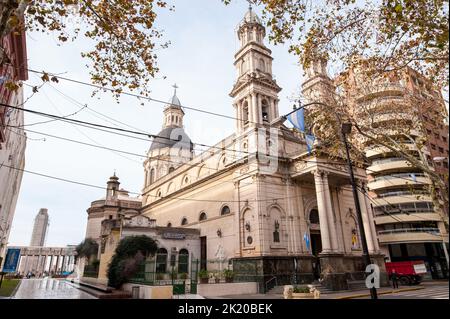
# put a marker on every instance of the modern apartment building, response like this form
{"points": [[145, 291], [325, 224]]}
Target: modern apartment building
{"points": [[411, 219]]}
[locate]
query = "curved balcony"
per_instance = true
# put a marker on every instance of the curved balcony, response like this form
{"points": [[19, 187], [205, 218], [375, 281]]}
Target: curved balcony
{"points": [[407, 218], [381, 90], [409, 235], [388, 164], [380, 150], [397, 180], [400, 199]]}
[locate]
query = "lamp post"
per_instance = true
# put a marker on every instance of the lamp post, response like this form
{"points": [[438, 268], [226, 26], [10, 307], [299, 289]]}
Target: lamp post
{"points": [[345, 130]]}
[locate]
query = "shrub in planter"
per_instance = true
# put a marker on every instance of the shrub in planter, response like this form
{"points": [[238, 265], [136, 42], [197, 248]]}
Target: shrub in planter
{"points": [[183, 276], [204, 276], [229, 275], [305, 292]]}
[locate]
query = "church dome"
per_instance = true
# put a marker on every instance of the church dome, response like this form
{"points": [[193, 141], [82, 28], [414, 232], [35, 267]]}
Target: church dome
{"points": [[171, 136]]}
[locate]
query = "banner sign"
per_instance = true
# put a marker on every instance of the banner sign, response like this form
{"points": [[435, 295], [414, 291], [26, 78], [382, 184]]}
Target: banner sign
{"points": [[12, 260]]}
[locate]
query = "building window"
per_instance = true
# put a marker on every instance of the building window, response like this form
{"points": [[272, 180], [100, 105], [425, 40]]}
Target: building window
{"points": [[276, 232], [184, 221], [171, 169], [225, 210], [183, 261], [152, 175], [314, 216], [202, 216], [444, 138], [433, 146], [436, 136], [265, 110], [441, 150], [161, 260], [445, 164], [169, 224]]}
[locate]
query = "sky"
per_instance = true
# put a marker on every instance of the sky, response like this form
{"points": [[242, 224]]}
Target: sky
{"points": [[199, 60]]}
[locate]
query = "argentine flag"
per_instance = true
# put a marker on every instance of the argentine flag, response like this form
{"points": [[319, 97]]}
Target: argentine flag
{"points": [[297, 119], [307, 242]]}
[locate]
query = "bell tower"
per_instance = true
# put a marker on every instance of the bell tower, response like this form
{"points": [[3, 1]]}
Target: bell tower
{"points": [[255, 91]]}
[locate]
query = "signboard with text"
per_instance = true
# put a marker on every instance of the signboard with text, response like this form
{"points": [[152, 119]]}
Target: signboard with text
{"points": [[12, 260]]}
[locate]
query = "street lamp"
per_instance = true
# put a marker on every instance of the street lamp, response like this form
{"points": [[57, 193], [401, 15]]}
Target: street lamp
{"points": [[346, 129]]}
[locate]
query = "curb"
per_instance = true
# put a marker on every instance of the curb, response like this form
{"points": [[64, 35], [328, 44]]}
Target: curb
{"points": [[381, 293], [15, 290]]}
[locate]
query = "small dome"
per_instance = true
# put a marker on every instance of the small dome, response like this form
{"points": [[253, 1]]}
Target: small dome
{"points": [[171, 136], [251, 17]]}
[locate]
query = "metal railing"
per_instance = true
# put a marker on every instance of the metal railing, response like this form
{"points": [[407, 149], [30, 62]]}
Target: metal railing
{"points": [[402, 193], [410, 230], [269, 284], [398, 175]]}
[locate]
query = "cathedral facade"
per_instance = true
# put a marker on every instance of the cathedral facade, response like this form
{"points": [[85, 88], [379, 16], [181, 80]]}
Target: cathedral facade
{"points": [[262, 202]]}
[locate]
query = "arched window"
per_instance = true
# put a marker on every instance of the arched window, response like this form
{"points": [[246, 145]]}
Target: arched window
{"points": [[276, 232], [152, 175], [262, 65], [184, 221], [159, 194], [202, 216], [225, 210], [245, 113], [265, 110], [183, 261], [161, 260], [314, 216], [171, 169], [169, 224]]}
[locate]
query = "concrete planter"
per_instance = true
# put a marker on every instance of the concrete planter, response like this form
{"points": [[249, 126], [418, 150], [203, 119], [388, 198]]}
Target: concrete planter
{"points": [[300, 295]]}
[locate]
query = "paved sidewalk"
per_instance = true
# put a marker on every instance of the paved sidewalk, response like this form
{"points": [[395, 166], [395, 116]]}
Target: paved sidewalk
{"points": [[366, 292]]}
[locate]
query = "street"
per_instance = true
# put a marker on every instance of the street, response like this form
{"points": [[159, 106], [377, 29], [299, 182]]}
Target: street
{"points": [[49, 288], [431, 290]]}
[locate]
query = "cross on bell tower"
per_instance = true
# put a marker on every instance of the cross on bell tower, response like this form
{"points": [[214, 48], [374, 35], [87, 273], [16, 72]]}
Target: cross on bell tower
{"points": [[173, 113], [255, 91]]}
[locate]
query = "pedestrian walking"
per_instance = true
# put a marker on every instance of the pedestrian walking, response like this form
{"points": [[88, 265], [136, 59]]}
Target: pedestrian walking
{"points": [[394, 279]]}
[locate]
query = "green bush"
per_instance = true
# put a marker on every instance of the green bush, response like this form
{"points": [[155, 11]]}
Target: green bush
{"points": [[130, 253], [203, 274], [87, 248], [299, 289], [227, 273]]}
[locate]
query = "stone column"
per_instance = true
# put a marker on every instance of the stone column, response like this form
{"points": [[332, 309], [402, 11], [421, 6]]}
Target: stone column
{"points": [[290, 218], [275, 108], [322, 208], [331, 220], [251, 115], [365, 218], [237, 116], [376, 245], [255, 108], [237, 221]]}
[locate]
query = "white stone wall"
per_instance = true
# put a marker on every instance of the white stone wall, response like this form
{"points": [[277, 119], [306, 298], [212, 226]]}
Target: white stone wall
{"points": [[12, 154]]}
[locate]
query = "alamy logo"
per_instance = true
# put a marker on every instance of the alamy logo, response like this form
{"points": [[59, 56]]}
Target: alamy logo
{"points": [[373, 280]]}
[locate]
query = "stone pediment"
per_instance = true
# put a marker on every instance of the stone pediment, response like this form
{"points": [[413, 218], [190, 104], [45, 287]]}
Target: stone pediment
{"points": [[139, 221], [254, 78]]}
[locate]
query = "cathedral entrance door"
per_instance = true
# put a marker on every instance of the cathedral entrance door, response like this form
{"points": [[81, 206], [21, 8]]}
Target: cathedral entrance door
{"points": [[316, 248], [203, 256]]}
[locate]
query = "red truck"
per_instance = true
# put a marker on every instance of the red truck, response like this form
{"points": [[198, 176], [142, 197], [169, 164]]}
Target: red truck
{"points": [[408, 272]]}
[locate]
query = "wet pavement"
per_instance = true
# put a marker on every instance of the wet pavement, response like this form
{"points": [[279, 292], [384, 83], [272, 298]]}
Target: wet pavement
{"points": [[49, 288]]}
